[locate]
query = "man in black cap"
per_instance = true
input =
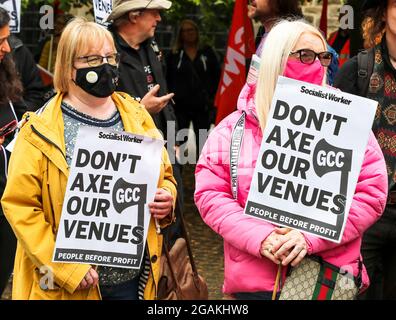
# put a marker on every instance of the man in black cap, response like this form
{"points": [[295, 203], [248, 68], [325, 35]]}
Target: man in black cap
{"points": [[372, 74]]}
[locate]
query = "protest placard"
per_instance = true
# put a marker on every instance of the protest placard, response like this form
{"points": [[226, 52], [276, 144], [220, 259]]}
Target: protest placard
{"points": [[102, 9], [105, 215], [310, 158], [14, 10]]}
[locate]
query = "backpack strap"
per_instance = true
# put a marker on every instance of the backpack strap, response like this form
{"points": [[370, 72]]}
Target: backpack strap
{"points": [[365, 70], [235, 149]]}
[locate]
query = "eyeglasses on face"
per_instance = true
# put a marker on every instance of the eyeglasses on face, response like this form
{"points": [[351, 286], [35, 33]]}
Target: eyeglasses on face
{"points": [[308, 56], [97, 60]]}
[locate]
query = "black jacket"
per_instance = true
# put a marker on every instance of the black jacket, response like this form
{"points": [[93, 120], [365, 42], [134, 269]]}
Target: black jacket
{"points": [[193, 82], [133, 78], [347, 77], [33, 87]]}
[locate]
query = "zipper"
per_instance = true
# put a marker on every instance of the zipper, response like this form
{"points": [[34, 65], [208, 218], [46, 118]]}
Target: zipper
{"points": [[47, 140]]}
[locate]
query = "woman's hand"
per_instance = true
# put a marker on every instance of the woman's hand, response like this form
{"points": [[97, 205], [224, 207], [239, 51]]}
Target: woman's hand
{"points": [[90, 280], [267, 246], [291, 248], [2, 140], [162, 205]]}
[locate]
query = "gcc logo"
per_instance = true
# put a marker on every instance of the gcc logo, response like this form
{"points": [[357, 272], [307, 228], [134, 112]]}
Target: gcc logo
{"points": [[126, 194]]}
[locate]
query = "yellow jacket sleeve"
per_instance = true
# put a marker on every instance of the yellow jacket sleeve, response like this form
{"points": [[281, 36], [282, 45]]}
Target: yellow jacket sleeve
{"points": [[23, 207]]}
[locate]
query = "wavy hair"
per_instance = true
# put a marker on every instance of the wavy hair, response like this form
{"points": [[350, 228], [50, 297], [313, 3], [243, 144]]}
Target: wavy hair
{"points": [[373, 26], [11, 86]]}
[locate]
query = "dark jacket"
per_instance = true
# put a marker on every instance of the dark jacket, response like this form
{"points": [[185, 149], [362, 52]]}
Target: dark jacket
{"points": [[133, 78], [33, 87], [193, 82], [346, 78]]}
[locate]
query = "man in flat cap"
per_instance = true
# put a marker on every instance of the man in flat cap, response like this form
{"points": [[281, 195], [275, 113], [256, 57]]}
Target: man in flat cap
{"points": [[133, 24], [373, 75]]}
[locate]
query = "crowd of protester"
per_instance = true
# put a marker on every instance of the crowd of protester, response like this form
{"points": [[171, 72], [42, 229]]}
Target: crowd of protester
{"points": [[117, 78]]}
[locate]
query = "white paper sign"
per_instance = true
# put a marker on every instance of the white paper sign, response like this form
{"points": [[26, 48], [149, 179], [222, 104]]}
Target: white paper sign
{"points": [[310, 158], [14, 10], [102, 9], [105, 215]]}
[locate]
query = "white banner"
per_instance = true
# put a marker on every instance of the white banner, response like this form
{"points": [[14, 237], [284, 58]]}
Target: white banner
{"points": [[310, 158], [105, 215], [102, 9], [14, 10]]}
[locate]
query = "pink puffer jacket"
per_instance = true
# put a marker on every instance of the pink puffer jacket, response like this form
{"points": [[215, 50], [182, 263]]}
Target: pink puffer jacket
{"points": [[245, 270]]}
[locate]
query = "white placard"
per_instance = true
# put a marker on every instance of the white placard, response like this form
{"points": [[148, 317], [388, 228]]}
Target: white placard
{"points": [[14, 10], [105, 215], [102, 9], [310, 158]]}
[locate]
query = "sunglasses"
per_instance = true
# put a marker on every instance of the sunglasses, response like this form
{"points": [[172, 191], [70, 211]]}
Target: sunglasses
{"points": [[308, 56]]}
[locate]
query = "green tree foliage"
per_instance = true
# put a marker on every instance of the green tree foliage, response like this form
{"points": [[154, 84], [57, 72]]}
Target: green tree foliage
{"points": [[211, 15]]}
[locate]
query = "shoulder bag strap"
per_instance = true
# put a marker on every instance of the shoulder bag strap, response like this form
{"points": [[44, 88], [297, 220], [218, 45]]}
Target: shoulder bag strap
{"points": [[365, 69], [188, 244]]}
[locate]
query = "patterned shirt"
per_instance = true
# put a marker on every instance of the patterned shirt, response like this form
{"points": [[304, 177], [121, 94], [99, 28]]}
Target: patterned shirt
{"points": [[382, 88]]}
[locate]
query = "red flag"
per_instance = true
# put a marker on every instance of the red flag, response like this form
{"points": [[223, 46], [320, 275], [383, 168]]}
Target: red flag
{"points": [[240, 47], [323, 18], [46, 77]]}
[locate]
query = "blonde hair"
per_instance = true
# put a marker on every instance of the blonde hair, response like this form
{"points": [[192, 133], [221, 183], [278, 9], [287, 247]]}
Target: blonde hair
{"points": [[78, 37], [278, 45]]}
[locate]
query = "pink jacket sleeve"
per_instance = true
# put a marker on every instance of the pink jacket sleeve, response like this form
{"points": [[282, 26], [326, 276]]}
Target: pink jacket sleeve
{"points": [[368, 202], [213, 197]]}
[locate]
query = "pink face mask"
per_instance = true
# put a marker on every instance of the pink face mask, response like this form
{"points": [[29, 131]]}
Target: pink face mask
{"points": [[312, 73]]}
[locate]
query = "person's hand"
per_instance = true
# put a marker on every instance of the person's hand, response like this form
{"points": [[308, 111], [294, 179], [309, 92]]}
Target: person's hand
{"points": [[153, 103], [292, 248], [162, 205], [2, 140], [90, 280], [267, 246]]}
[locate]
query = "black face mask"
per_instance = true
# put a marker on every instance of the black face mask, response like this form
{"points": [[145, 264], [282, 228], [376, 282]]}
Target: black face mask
{"points": [[98, 81]]}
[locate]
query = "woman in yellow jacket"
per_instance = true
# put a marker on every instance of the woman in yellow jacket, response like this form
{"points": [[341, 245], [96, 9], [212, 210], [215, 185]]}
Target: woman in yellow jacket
{"points": [[85, 78]]}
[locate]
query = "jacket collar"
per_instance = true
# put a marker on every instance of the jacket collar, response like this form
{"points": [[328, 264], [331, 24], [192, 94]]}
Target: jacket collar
{"points": [[47, 127]]}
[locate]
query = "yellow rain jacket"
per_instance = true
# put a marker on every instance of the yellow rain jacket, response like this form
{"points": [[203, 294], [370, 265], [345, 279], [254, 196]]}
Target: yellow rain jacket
{"points": [[33, 200]]}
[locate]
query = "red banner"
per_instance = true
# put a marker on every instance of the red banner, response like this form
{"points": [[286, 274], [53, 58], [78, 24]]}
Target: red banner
{"points": [[240, 47], [323, 18]]}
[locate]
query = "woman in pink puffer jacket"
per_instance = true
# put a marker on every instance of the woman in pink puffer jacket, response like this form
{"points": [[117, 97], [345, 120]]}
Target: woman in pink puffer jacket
{"points": [[252, 247]]}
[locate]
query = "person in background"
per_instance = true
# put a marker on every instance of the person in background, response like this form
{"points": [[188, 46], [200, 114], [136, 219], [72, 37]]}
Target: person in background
{"points": [[376, 79], [340, 41], [48, 52], [133, 24], [11, 90], [193, 73], [34, 91], [254, 248], [268, 12], [39, 169]]}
